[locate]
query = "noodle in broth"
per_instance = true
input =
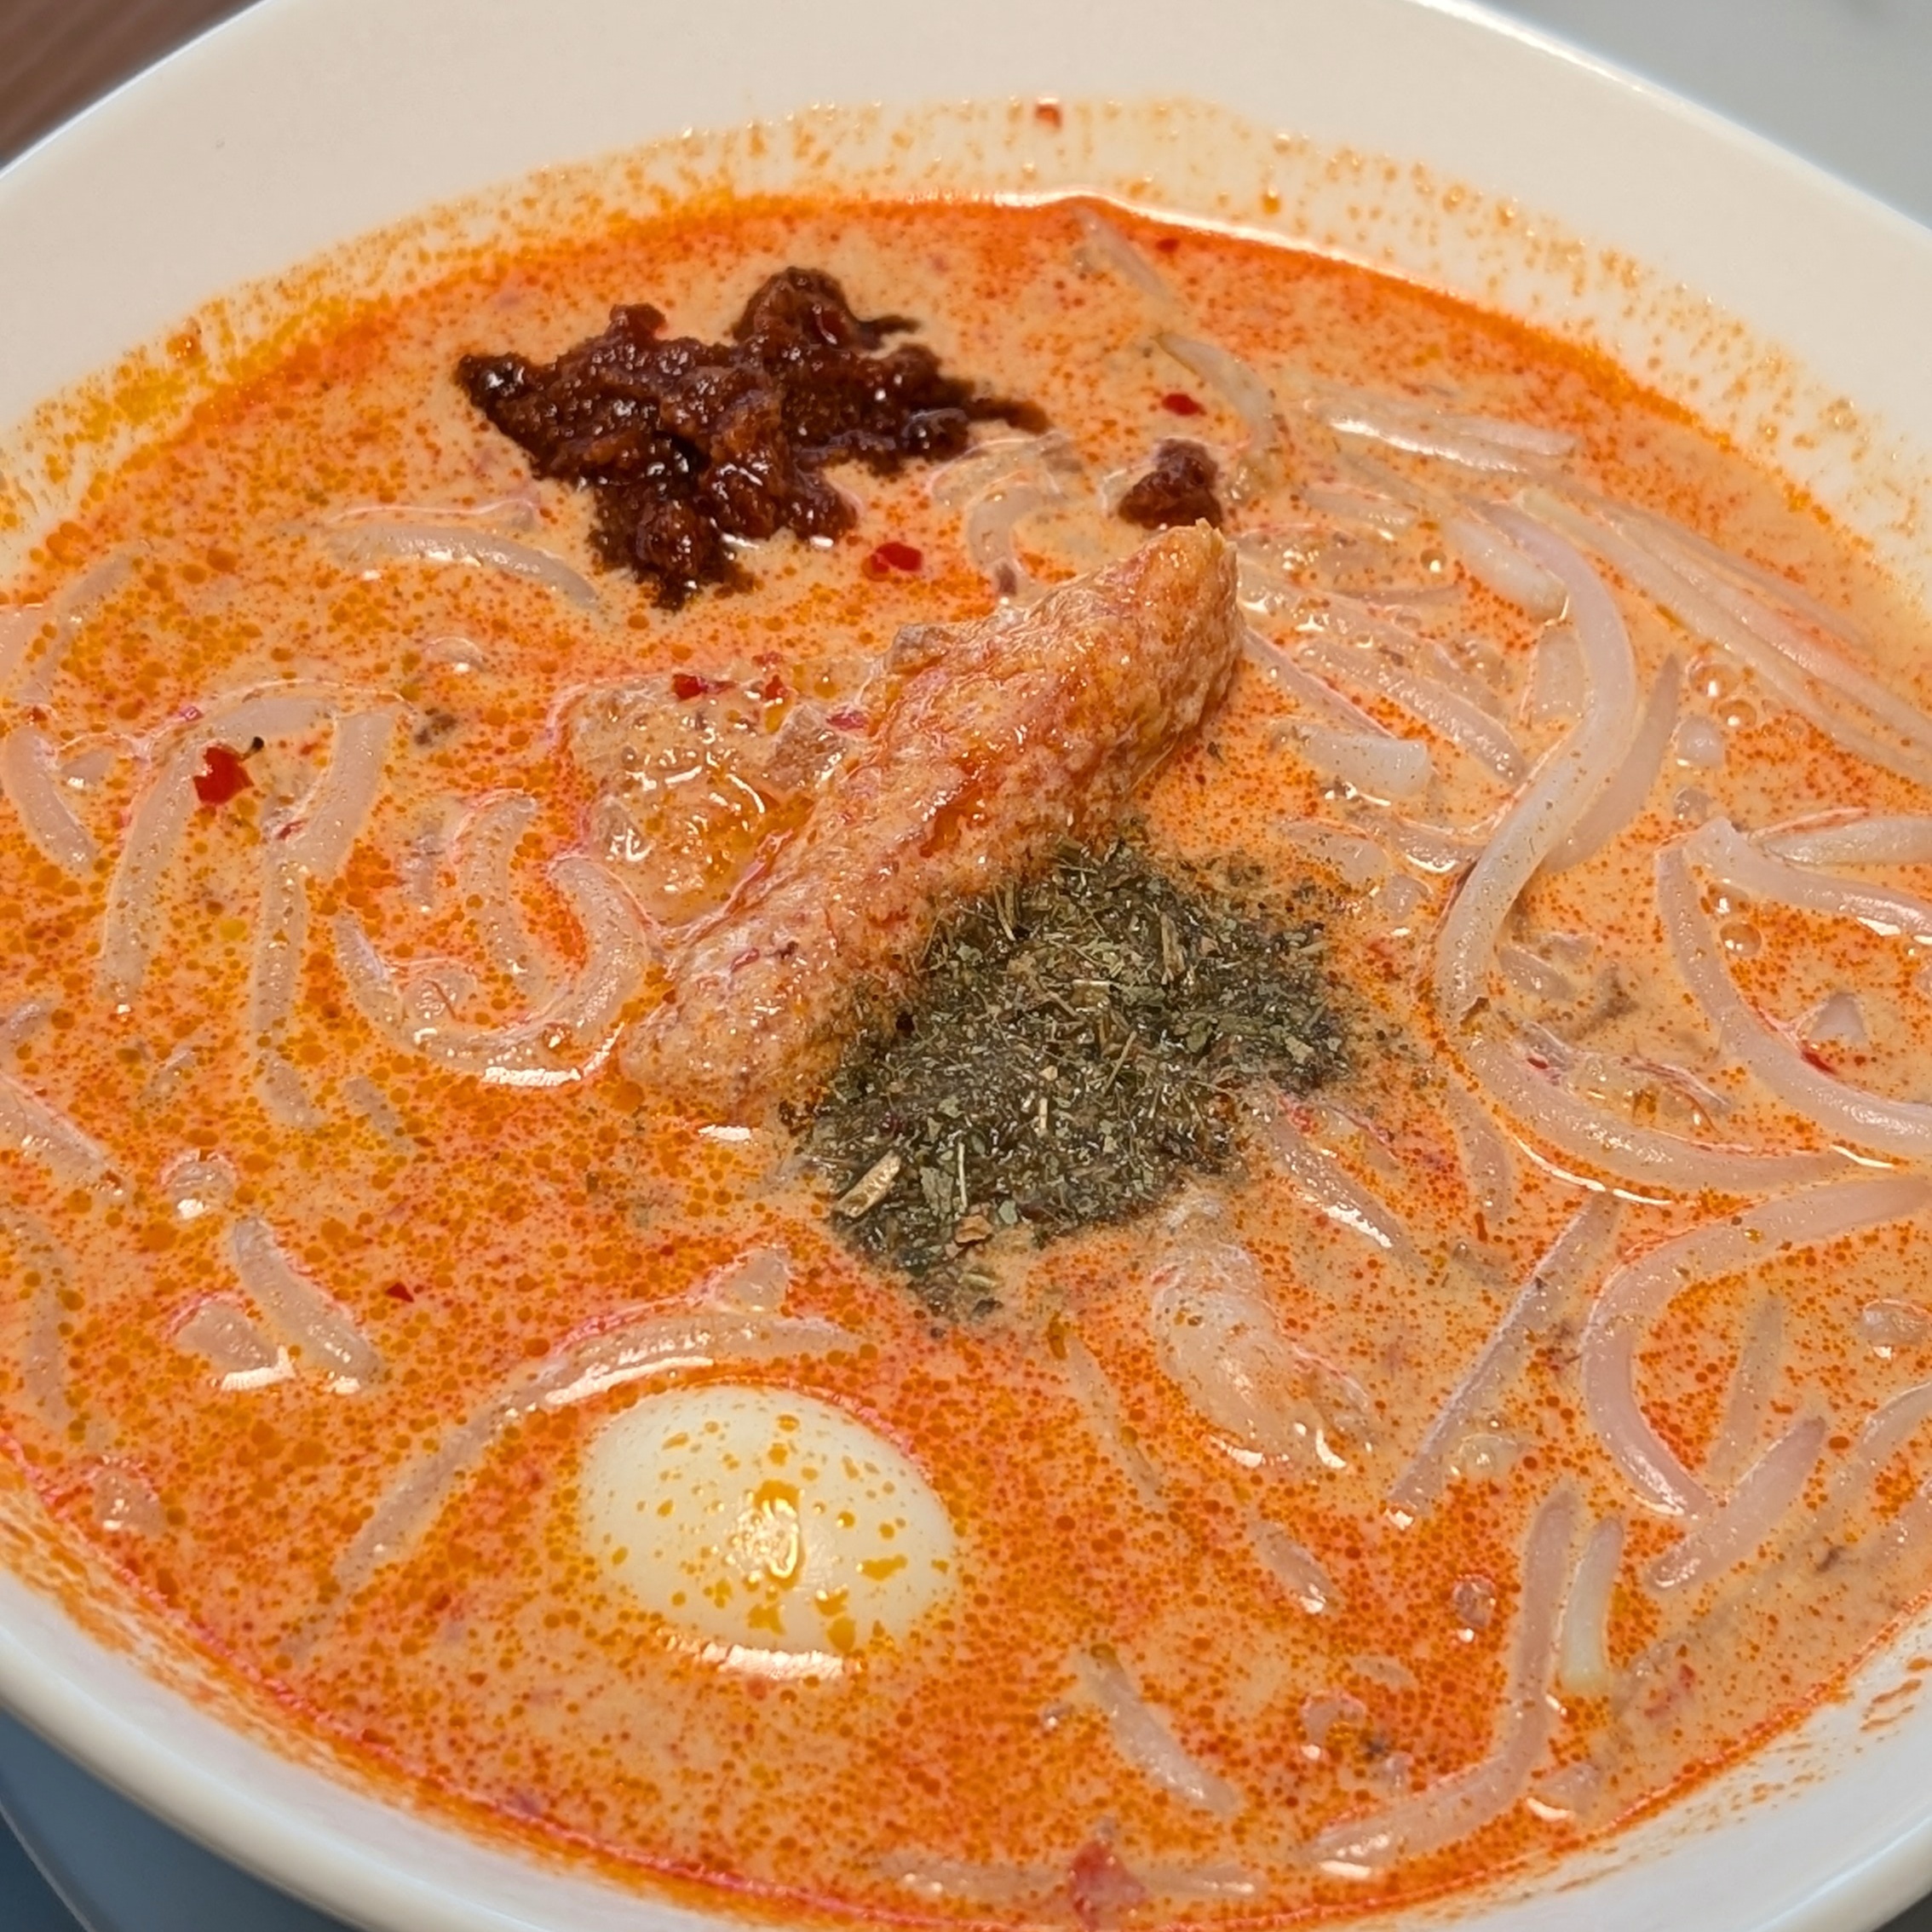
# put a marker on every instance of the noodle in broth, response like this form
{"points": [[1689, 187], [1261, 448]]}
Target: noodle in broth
{"points": [[450, 981]]}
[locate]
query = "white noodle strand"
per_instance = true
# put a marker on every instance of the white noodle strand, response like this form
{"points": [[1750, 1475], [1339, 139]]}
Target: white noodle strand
{"points": [[1466, 1801], [1583, 1658], [485, 847], [35, 645], [1375, 765], [1144, 1738], [1878, 1441], [1111, 250], [1293, 1567], [1730, 1534], [318, 840], [1099, 1402], [1426, 698], [1416, 430], [1623, 798], [368, 544], [1733, 860], [43, 1366], [1486, 1162], [1748, 1401], [1646, 1157], [566, 1040], [1243, 390], [1639, 561], [26, 777], [1309, 693], [1500, 566], [314, 842], [30, 1126], [1637, 1293], [1875, 839], [1833, 1106], [1329, 1188], [630, 1346], [127, 934], [1554, 1289], [301, 1313], [1571, 775]]}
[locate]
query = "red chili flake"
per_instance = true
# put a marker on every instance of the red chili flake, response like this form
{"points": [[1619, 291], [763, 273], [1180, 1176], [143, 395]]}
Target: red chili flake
{"points": [[222, 776], [400, 1291], [1100, 1888], [1047, 112], [1812, 1057], [847, 720], [1167, 244], [686, 684], [1178, 402], [772, 689], [893, 555]]}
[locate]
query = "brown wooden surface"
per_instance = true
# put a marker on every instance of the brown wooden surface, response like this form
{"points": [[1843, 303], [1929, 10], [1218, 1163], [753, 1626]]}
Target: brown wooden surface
{"points": [[56, 55]]}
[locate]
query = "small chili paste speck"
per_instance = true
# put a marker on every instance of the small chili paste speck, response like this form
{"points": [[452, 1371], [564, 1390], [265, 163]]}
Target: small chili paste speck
{"points": [[1179, 488]]}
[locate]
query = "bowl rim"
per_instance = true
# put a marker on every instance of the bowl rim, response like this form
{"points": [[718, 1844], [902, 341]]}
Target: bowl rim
{"points": [[73, 202]]}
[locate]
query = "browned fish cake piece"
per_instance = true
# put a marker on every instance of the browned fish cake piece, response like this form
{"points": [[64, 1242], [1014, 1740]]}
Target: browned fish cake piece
{"points": [[1000, 740]]}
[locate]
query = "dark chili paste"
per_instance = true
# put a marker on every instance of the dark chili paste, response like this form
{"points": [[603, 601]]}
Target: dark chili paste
{"points": [[222, 775], [688, 444], [1179, 488]]}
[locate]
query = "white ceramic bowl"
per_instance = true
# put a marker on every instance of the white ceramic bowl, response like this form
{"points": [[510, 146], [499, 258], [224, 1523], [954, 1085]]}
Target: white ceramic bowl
{"points": [[1435, 141]]}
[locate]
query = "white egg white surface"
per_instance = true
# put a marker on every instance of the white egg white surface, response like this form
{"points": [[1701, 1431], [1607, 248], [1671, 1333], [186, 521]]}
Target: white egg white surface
{"points": [[781, 1532]]}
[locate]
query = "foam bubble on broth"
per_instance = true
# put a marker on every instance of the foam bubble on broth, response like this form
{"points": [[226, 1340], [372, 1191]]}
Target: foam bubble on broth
{"points": [[329, 1071]]}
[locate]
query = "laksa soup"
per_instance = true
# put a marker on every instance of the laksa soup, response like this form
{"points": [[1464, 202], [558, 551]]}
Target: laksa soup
{"points": [[972, 1062]]}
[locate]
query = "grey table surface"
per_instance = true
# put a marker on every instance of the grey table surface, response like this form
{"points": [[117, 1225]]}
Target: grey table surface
{"points": [[1841, 82]]}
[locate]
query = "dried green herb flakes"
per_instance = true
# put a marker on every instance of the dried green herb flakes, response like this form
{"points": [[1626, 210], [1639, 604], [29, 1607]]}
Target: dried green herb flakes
{"points": [[1072, 1049]]}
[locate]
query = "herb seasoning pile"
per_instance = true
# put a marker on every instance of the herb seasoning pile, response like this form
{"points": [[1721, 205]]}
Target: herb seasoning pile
{"points": [[1073, 1049]]}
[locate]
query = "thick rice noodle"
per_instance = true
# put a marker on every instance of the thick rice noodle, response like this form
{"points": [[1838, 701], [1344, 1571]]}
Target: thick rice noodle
{"points": [[27, 778], [1332, 1192], [616, 1352], [1644, 1157], [1873, 839], [1900, 745], [371, 544], [1466, 1801], [486, 843], [1503, 567], [1426, 698], [1549, 1298], [1718, 847], [1732, 1531], [1556, 797], [1835, 1106], [1144, 1738], [1638, 1292], [1748, 1400], [127, 938], [1623, 797], [565, 1041]]}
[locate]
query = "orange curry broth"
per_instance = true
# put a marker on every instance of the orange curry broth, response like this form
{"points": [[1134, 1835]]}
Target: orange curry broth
{"points": [[492, 1670]]}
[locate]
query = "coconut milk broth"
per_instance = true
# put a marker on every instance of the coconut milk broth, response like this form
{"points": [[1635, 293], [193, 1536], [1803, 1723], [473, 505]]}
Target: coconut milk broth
{"points": [[470, 1233]]}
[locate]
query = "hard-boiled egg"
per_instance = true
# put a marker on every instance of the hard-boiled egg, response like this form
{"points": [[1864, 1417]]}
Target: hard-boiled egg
{"points": [[778, 1531]]}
